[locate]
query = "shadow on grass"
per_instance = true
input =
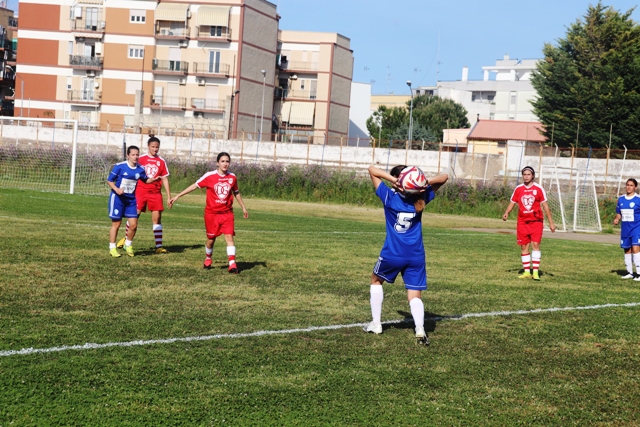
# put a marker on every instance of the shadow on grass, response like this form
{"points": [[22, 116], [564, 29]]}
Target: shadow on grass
{"points": [[174, 249], [242, 266], [620, 272], [516, 272], [430, 320]]}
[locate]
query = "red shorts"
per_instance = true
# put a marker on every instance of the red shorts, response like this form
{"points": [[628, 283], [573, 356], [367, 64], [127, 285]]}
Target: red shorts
{"points": [[153, 201], [527, 232], [217, 224]]}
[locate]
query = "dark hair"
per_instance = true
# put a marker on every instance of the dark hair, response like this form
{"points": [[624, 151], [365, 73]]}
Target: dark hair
{"points": [[395, 172], [153, 139], [132, 147], [528, 168], [635, 183], [222, 155]]}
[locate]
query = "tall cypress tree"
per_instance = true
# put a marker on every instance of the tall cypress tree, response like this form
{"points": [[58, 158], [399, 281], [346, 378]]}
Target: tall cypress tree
{"points": [[592, 79]]}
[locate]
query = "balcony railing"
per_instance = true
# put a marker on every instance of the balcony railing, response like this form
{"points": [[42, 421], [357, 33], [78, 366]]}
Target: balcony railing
{"points": [[86, 62], [168, 102], [88, 25], [163, 32], [211, 69], [300, 94], [84, 96], [206, 32], [165, 66], [299, 65], [13, 22], [207, 104]]}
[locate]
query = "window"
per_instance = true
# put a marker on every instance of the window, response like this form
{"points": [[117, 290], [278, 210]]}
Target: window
{"points": [[136, 51], [513, 98], [214, 61], [137, 16], [70, 48], [490, 97], [132, 86], [69, 82], [215, 31]]}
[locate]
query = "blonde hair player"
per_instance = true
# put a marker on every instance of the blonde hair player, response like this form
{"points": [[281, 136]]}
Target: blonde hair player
{"points": [[532, 201]]}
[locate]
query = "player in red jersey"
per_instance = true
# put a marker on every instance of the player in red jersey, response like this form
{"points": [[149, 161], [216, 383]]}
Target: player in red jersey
{"points": [[532, 201], [150, 195], [221, 186]]}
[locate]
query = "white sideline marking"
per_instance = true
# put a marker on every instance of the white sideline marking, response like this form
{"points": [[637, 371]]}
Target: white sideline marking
{"points": [[93, 346]]}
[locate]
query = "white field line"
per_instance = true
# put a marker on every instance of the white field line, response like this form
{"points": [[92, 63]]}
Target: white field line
{"points": [[94, 346]]}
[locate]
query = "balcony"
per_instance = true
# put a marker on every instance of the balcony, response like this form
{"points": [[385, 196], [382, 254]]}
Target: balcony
{"points": [[213, 34], [299, 66], [168, 103], [91, 26], [169, 33], [299, 94], [211, 69], [169, 67], [84, 96], [13, 23], [208, 104], [82, 62]]}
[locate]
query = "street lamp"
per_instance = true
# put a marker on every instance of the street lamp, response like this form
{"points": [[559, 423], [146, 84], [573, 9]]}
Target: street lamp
{"points": [[410, 113], [264, 81], [233, 95]]}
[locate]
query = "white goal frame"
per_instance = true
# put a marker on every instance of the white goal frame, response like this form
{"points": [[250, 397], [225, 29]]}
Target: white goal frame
{"points": [[572, 189]]}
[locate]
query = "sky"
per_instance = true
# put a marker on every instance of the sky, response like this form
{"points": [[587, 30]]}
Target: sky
{"points": [[425, 41]]}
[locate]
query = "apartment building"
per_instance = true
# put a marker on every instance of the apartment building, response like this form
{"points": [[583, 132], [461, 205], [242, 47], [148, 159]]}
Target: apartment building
{"points": [[314, 85], [8, 24], [207, 65]]}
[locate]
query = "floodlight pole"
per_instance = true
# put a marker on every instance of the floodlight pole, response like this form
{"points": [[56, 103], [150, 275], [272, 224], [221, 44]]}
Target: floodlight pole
{"points": [[264, 81]]}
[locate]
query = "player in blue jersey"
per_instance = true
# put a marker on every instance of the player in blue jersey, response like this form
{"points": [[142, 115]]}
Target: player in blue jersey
{"points": [[123, 180], [628, 212], [403, 249]]}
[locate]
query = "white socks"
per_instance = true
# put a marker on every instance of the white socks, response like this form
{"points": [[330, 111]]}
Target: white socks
{"points": [[535, 259], [377, 296], [417, 311]]}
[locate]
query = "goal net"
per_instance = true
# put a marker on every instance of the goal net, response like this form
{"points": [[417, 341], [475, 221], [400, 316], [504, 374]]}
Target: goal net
{"points": [[42, 154], [572, 198]]}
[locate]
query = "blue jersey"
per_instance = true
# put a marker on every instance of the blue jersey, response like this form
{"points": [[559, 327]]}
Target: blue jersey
{"points": [[126, 177], [629, 209], [404, 228]]}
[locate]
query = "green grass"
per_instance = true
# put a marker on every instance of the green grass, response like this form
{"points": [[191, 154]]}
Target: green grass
{"points": [[303, 265]]}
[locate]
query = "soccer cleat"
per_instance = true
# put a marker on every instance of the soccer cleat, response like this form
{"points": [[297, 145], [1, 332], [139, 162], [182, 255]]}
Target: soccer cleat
{"points": [[637, 278], [525, 275], [233, 269], [129, 250], [628, 276], [120, 243], [421, 336], [114, 253], [536, 276], [373, 328], [207, 263], [161, 250]]}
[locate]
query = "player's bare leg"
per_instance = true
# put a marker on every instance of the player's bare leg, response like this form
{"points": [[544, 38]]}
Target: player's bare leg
{"points": [[208, 249], [113, 235], [231, 253], [156, 220], [133, 226], [417, 312]]}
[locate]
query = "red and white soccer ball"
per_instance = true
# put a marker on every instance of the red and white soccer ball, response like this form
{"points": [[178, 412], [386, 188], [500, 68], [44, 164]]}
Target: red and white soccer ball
{"points": [[412, 180]]}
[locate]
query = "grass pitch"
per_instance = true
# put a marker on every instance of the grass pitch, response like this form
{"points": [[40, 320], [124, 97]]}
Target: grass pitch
{"points": [[302, 266]]}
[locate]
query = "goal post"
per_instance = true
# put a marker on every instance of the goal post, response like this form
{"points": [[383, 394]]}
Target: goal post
{"points": [[44, 154], [572, 198]]}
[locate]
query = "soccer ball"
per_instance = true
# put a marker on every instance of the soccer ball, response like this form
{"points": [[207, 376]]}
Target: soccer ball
{"points": [[412, 180]]}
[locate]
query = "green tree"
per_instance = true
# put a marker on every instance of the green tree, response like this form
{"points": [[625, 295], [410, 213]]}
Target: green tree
{"points": [[390, 119], [591, 79], [435, 114]]}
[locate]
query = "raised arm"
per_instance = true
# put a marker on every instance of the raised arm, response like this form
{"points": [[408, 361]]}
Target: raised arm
{"points": [[438, 181], [377, 175], [187, 190]]}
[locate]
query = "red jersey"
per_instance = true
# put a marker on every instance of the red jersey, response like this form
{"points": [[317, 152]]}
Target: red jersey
{"points": [[528, 200], [153, 167], [220, 191]]}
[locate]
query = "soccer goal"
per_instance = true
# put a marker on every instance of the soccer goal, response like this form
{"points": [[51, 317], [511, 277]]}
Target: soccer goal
{"points": [[43, 154], [572, 198]]}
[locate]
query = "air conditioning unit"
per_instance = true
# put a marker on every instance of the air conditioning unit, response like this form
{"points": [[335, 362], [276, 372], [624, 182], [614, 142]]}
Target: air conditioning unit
{"points": [[91, 73], [183, 43], [201, 82], [182, 81], [103, 25]]}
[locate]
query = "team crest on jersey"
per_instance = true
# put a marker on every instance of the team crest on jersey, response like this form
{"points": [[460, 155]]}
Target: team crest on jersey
{"points": [[527, 202], [222, 189], [535, 192], [151, 170], [632, 204]]}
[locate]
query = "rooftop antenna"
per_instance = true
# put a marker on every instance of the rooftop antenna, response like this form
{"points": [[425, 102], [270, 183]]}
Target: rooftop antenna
{"points": [[388, 78], [438, 60]]}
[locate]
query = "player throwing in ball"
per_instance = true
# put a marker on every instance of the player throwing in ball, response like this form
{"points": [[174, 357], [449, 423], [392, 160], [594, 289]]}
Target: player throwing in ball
{"points": [[403, 250], [628, 211], [531, 200], [221, 186], [123, 181], [150, 195]]}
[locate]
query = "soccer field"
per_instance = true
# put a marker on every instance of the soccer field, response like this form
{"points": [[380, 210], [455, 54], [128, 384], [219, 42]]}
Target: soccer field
{"points": [[168, 343]]}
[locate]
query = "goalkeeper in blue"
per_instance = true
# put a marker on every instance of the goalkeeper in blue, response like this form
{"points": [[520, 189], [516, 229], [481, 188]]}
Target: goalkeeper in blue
{"points": [[403, 250], [628, 213]]}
